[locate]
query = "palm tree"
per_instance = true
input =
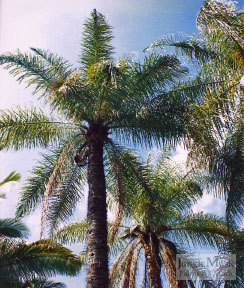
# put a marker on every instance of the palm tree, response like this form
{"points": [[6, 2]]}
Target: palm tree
{"points": [[159, 208], [159, 198], [216, 127], [136, 102]]}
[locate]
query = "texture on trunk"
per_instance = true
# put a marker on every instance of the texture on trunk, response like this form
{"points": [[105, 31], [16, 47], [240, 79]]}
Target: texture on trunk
{"points": [[169, 258], [151, 247], [97, 213]]}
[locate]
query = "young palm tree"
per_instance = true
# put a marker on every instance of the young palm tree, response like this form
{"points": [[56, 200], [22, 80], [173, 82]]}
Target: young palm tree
{"points": [[135, 102], [159, 205]]}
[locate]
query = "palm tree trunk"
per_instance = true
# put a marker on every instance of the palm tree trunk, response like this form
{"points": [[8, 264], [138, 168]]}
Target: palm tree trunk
{"points": [[151, 249], [97, 218]]}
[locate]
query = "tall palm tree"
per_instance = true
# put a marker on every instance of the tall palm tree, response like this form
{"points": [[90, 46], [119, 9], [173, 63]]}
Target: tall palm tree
{"points": [[135, 102]]}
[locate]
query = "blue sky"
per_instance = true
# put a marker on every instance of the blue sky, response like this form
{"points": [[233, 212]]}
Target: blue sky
{"points": [[57, 25]]}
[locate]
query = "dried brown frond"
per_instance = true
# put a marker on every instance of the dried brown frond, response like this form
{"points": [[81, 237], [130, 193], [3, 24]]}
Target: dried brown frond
{"points": [[121, 192], [126, 278], [116, 263], [132, 279], [51, 183]]}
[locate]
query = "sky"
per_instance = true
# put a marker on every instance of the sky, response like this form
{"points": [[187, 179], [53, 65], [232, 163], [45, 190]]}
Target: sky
{"points": [[57, 25]]}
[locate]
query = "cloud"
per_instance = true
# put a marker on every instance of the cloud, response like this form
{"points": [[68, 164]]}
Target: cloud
{"points": [[209, 204]]}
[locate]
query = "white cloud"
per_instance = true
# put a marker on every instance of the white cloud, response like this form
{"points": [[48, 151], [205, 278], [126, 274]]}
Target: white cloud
{"points": [[209, 204]]}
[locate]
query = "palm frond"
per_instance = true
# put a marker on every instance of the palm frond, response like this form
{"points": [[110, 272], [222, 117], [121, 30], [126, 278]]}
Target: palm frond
{"points": [[195, 49], [66, 196], [96, 39], [56, 173], [58, 65], [44, 70], [156, 73], [41, 258], [39, 283], [202, 230], [29, 129], [12, 228], [129, 263], [72, 233], [35, 186], [13, 176]]}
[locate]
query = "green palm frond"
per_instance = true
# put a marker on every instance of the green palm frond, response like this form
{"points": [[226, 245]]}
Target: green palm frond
{"points": [[64, 187], [44, 70], [222, 20], [12, 228], [58, 65], [72, 233], [203, 230], [66, 196], [195, 49], [155, 73], [140, 125], [39, 283], [13, 176], [132, 175], [21, 261], [30, 128], [96, 40]]}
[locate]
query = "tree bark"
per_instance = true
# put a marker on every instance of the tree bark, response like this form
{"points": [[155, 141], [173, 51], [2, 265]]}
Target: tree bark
{"points": [[97, 218], [151, 248]]}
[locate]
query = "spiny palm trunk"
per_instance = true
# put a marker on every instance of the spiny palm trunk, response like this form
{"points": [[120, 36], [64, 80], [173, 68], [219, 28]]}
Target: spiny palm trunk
{"points": [[97, 218], [151, 248]]}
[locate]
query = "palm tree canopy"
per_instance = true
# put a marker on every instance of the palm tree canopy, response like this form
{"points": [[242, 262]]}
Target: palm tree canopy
{"points": [[158, 207], [137, 102]]}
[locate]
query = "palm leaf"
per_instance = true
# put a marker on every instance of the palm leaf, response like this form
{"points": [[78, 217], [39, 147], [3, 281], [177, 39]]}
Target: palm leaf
{"points": [[29, 129], [96, 40], [12, 228]]}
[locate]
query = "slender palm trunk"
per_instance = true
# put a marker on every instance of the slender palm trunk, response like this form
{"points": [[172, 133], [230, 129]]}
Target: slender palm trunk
{"points": [[151, 248], [97, 218]]}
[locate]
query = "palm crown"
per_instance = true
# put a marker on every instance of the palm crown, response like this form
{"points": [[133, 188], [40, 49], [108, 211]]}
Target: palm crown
{"points": [[158, 206]]}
